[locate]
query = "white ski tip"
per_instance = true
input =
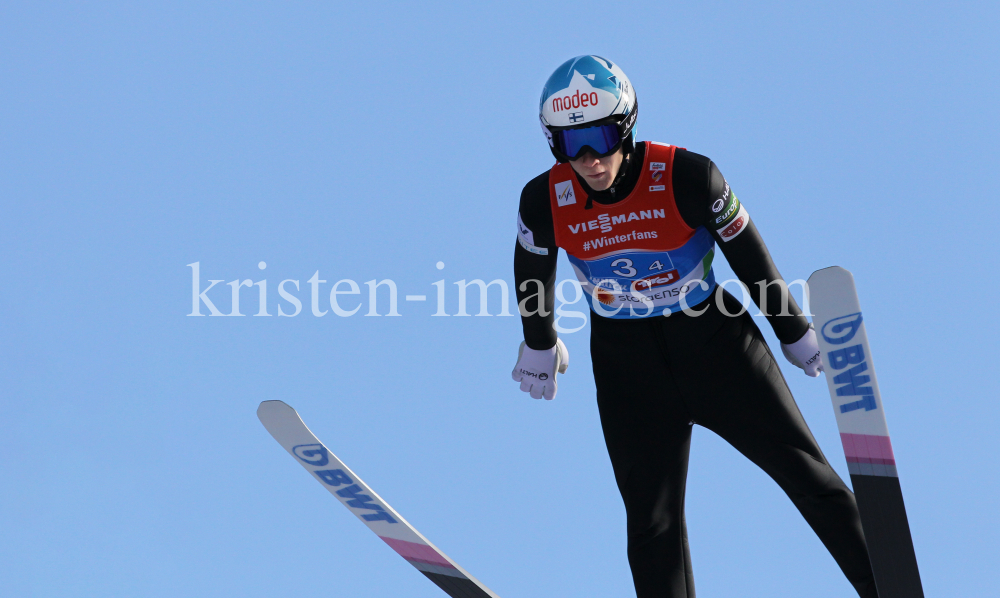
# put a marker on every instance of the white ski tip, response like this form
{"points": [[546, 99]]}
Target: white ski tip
{"points": [[282, 422], [832, 289], [272, 407], [831, 273]]}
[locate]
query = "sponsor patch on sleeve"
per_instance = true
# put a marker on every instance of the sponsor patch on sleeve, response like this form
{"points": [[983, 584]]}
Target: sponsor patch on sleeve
{"points": [[735, 225], [726, 212], [564, 193], [723, 202], [526, 238]]}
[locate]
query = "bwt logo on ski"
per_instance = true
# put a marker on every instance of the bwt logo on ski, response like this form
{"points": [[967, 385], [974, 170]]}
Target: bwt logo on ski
{"points": [[353, 496], [576, 100], [839, 331], [313, 454], [853, 382]]}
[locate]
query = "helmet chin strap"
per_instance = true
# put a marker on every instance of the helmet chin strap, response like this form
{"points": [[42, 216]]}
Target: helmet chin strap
{"points": [[622, 170]]}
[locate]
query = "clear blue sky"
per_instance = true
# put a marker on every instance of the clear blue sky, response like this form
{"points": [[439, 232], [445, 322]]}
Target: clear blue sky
{"points": [[373, 141]]}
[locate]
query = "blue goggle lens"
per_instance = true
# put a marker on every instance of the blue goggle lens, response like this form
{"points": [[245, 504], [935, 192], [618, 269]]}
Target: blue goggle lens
{"points": [[602, 140]]}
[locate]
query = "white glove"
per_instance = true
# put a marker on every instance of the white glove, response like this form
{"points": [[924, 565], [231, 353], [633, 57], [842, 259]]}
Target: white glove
{"points": [[536, 370], [804, 353]]}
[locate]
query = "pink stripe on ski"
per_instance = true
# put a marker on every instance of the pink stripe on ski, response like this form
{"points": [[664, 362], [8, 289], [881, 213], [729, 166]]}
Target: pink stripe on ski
{"points": [[867, 448], [412, 551]]}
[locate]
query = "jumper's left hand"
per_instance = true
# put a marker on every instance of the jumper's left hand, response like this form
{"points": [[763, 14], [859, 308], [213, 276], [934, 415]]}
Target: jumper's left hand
{"points": [[536, 370], [804, 353]]}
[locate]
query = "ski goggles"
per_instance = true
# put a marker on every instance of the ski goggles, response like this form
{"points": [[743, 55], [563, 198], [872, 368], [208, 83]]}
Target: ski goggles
{"points": [[602, 140]]}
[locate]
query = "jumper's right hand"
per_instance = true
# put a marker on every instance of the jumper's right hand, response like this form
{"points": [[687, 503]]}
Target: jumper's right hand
{"points": [[804, 353], [536, 370]]}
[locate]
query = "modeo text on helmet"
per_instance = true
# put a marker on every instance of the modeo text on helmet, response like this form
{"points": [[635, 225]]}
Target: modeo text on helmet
{"points": [[574, 101]]}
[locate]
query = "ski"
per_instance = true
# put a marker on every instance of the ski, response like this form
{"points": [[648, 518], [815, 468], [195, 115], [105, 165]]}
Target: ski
{"points": [[285, 425], [857, 404]]}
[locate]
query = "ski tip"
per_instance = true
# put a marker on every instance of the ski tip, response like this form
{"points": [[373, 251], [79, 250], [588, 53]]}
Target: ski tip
{"points": [[830, 271], [267, 407]]}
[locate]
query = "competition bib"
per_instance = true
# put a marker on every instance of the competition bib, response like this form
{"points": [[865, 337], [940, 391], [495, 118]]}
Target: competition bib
{"points": [[637, 257]]}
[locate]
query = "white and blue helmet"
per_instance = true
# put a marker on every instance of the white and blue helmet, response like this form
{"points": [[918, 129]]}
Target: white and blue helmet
{"points": [[587, 104]]}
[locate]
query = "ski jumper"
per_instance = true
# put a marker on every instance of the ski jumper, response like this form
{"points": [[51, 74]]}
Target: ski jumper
{"points": [[659, 369]]}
